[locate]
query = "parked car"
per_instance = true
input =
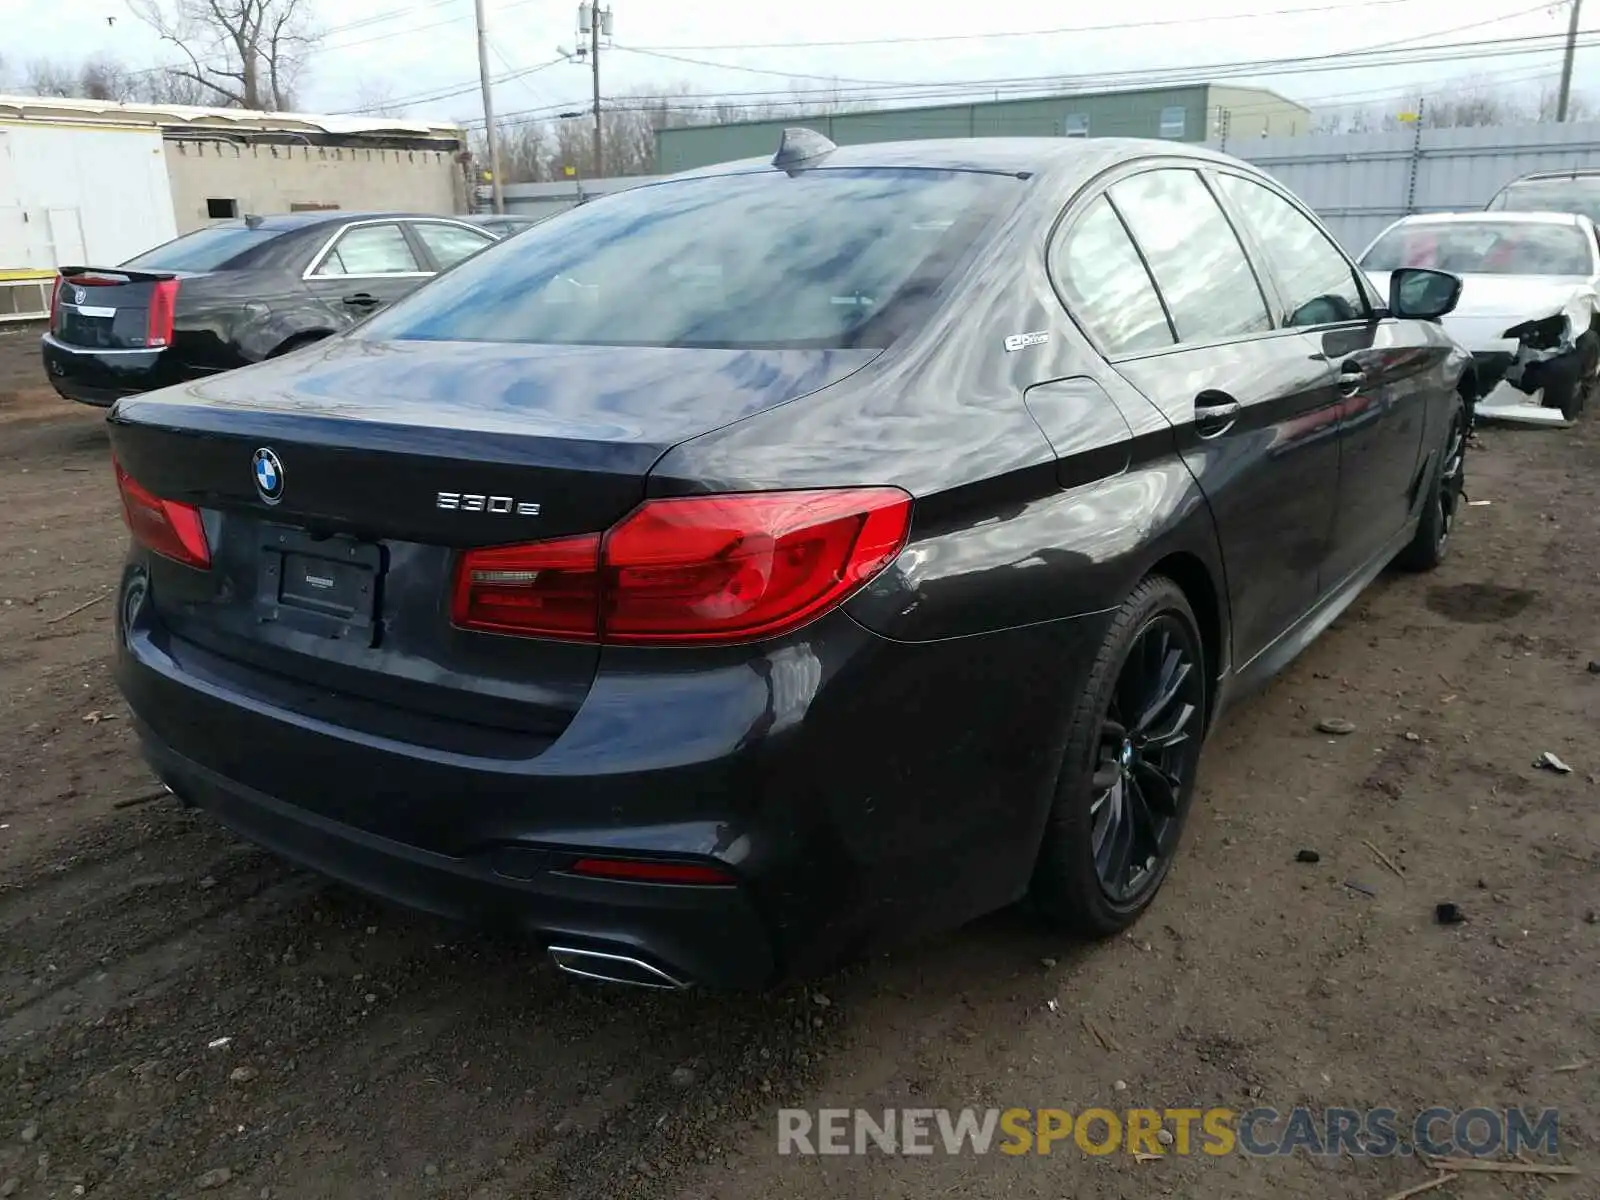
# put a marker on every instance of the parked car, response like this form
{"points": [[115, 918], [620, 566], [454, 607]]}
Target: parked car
{"points": [[236, 292], [1528, 302], [1572, 191], [787, 558], [503, 225]]}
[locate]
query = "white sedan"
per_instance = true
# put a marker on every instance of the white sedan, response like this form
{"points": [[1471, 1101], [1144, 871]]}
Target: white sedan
{"points": [[1530, 282]]}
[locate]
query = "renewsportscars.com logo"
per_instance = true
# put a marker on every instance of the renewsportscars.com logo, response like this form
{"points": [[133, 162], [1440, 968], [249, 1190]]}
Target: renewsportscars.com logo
{"points": [[1258, 1132]]}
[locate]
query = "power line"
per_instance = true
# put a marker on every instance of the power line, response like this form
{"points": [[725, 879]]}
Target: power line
{"points": [[462, 89], [1369, 57], [1035, 33], [722, 66], [837, 79]]}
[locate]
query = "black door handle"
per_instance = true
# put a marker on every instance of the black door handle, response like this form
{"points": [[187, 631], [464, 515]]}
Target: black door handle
{"points": [[1352, 378], [1213, 419], [361, 300]]}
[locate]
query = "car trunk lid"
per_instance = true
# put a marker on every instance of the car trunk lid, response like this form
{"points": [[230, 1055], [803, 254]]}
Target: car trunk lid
{"points": [[114, 308], [337, 487]]}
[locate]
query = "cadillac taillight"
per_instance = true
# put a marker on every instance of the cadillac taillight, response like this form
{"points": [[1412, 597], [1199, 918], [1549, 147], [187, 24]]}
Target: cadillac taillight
{"points": [[163, 312], [689, 570]]}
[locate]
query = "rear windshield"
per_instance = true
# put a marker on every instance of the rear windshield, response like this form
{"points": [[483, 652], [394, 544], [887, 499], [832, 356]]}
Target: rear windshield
{"points": [[1483, 248], [208, 249], [1580, 195], [828, 258]]}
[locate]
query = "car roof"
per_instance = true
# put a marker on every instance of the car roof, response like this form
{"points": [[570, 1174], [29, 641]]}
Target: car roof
{"points": [[326, 216], [1568, 173], [1495, 215], [1001, 155]]}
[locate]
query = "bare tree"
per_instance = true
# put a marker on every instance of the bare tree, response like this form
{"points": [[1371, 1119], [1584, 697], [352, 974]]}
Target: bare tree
{"points": [[245, 53], [106, 78], [165, 87], [1579, 107], [47, 77]]}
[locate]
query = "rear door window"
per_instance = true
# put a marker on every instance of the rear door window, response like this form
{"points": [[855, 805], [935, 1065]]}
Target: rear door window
{"points": [[1198, 264], [449, 244], [369, 250], [1106, 286], [818, 258]]}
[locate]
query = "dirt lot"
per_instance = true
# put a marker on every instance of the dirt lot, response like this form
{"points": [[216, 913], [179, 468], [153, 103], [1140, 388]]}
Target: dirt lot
{"points": [[375, 1053]]}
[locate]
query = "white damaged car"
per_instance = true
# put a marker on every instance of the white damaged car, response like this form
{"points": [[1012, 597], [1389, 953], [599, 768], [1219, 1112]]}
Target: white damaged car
{"points": [[1528, 303]]}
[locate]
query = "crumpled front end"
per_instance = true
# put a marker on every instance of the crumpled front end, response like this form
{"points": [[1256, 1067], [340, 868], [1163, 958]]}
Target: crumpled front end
{"points": [[1524, 366]]}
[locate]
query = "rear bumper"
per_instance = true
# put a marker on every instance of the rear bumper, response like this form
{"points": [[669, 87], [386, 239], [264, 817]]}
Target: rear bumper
{"points": [[862, 791], [710, 935], [102, 377]]}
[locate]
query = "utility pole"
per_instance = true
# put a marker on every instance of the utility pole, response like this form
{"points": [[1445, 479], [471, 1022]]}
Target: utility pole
{"points": [[1566, 65], [594, 21], [594, 70], [490, 134]]}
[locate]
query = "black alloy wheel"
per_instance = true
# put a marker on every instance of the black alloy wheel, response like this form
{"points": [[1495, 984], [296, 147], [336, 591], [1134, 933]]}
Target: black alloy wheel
{"points": [[1431, 543], [1452, 478], [1127, 777], [1144, 760]]}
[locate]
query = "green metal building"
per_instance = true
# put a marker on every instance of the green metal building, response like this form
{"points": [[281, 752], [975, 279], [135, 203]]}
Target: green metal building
{"points": [[1195, 113]]}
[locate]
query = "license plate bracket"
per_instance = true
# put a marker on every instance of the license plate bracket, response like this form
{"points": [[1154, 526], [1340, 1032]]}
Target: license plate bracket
{"points": [[323, 586]]}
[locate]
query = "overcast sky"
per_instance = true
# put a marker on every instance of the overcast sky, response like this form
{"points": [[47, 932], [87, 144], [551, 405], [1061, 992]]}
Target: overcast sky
{"points": [[378, 47]]}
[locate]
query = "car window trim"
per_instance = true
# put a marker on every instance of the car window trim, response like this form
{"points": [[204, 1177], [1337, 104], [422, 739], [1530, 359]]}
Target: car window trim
{"points": [[419, 244], [310, 272], [1375, 304], [1197, 167], [1072, 215]]}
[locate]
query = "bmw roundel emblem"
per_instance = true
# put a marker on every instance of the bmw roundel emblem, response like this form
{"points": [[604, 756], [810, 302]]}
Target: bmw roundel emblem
{"points": [[269, 475]]}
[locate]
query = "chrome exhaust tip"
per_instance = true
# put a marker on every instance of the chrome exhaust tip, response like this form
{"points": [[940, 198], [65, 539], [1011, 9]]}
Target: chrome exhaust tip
{"points": [[606, 967]]}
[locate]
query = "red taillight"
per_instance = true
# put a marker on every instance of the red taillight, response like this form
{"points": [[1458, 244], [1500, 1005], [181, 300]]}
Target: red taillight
{"points": [[548, 589], [691, 569], [55, 302], [166, 527], [652, 872], [162, 313]]}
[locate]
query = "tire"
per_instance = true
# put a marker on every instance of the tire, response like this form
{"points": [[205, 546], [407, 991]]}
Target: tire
{"points": [[1099, 782], [1428, 548], [1570, 395]]}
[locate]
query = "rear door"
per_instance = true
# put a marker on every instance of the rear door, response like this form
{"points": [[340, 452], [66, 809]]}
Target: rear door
{"points": [[1381, 379], [364, 267], [1248, 402]]}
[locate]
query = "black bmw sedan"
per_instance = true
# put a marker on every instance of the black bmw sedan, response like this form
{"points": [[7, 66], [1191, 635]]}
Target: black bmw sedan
{"points": [[236, 292], [781, 560]]}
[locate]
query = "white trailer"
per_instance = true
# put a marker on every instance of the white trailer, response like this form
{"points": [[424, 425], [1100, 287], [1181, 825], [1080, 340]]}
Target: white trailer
{"points": [[73, 193]]}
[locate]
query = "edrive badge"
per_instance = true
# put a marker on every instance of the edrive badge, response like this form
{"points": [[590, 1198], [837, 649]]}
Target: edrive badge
{"points": [[269, 475]]}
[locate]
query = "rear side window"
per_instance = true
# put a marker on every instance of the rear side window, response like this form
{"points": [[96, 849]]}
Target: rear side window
{"points": [[449, 244], [823, 257], [1106, 286], [1317, 281], [370, 250], [1193, 253], [210, 249]]}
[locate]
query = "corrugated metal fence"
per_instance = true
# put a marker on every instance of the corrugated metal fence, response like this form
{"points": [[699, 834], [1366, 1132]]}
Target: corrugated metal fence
{"points": [[1359, 182]]}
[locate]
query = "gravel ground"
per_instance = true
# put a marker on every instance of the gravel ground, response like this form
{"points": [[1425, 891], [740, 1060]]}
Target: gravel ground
{"points": [[181, 1014]]}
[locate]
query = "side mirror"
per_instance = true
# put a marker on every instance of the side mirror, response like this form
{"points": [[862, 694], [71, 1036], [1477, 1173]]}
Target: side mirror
{"points": [[1421, 293]]}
